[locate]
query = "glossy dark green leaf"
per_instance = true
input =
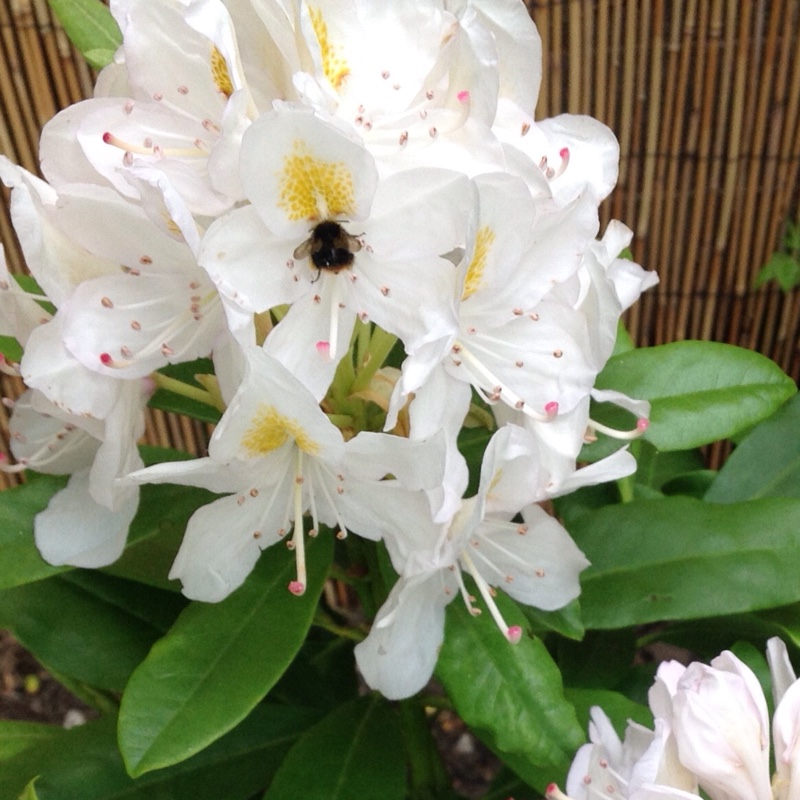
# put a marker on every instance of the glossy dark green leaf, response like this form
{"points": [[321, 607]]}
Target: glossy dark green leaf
{"points": [[217, 662], [618, 708], [11, 349], [566, 621], [90, 26], [511, 694], [700, 391], [355, 752], [766, 463], [680, 558], [84, 763], [75, 630], [654, 468], [708, 637], [21, 562], [16, 736], [179, 404]]}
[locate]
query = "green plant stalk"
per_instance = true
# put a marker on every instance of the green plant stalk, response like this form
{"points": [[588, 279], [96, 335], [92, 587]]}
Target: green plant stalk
{"points": [[380, 345], [322, 620], [427, 776], [183, 389]]}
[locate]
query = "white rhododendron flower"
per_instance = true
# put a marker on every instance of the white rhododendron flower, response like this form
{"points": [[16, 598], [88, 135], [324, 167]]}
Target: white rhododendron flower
{"points": [[277, 456], [349, 208], [711, 733], [176, 99], [324, 235], [534, 561]]}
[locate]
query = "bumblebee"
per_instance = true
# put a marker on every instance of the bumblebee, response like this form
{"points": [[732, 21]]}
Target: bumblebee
{"points": [[330, 247]]}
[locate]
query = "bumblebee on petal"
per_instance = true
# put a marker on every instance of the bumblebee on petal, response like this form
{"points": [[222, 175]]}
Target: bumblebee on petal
{"points": [[329, 247]]}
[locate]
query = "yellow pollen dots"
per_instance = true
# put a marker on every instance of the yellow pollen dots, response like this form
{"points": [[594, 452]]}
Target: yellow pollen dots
{"points": [[483, 241], [220, 74], [333, 64], [313, 189], [270, 429]]}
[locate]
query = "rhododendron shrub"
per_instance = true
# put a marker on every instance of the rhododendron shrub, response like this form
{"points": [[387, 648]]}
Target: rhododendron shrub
{"points": [[440, 474]]}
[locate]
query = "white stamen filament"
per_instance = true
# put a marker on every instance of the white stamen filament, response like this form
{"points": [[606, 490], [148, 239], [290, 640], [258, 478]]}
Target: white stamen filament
{"points": [[321, 479], [46, 454], [506, 395], [156, 150], [297, 537], [638, 431], [333, 334], [468, 598], [159, 344], [486, 593]]}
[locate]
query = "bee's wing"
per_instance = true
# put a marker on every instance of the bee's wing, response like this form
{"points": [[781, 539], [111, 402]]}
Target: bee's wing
{"points": [[304, 250], [353, 243]]}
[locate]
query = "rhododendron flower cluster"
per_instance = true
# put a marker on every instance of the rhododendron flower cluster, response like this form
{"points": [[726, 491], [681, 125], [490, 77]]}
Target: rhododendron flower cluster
{"points": [[712, 733], [351, 209]]}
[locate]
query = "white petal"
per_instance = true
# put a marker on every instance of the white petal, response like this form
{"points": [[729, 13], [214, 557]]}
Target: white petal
{"points": [[543, 563], [219, 549], [398, 656], [142, 322], [299, 170], [780, 667], [76, 530], [50, 442]]}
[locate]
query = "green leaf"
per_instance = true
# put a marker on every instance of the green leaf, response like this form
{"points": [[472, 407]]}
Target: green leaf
{"points": [[766, 463], [11, 349], [355, 752], [21, 562], [566, 621], [618, 708], [73, 629], [654, 468], [217, 662], [782, 267], [709, 637], [29, 792], [90, 27], [680, 558], [84, 763], [179, 404], [18, 736], [700, 391], [511, 694]]}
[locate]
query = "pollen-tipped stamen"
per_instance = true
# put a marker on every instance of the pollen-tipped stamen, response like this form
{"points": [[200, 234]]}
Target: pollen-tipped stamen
{"points": [[552, 792], [171, 332], [298, 587], [501, 392], [513, 633], [198, 150], [642, 424]]}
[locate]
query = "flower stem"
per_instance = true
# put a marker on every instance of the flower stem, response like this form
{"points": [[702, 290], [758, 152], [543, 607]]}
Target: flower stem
{"points": [[371, 359], [322, 620], [427, 776], [184, 389]]}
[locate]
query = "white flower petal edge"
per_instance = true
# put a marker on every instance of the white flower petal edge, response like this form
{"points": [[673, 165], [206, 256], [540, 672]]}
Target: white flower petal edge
{"points": [[398, 656]]}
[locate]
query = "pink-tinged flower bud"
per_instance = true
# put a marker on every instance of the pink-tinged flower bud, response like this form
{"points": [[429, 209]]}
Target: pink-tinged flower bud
{"points": [[721, 726]]}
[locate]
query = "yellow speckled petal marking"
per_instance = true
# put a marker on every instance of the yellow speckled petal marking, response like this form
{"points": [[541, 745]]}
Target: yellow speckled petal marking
{"points": [[270, 429], [483, 241], [313, 189], [333, 64], [220, 74]]}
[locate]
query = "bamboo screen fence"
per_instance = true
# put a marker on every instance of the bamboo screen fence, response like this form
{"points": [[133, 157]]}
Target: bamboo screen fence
{"points": [[704, 96]]}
